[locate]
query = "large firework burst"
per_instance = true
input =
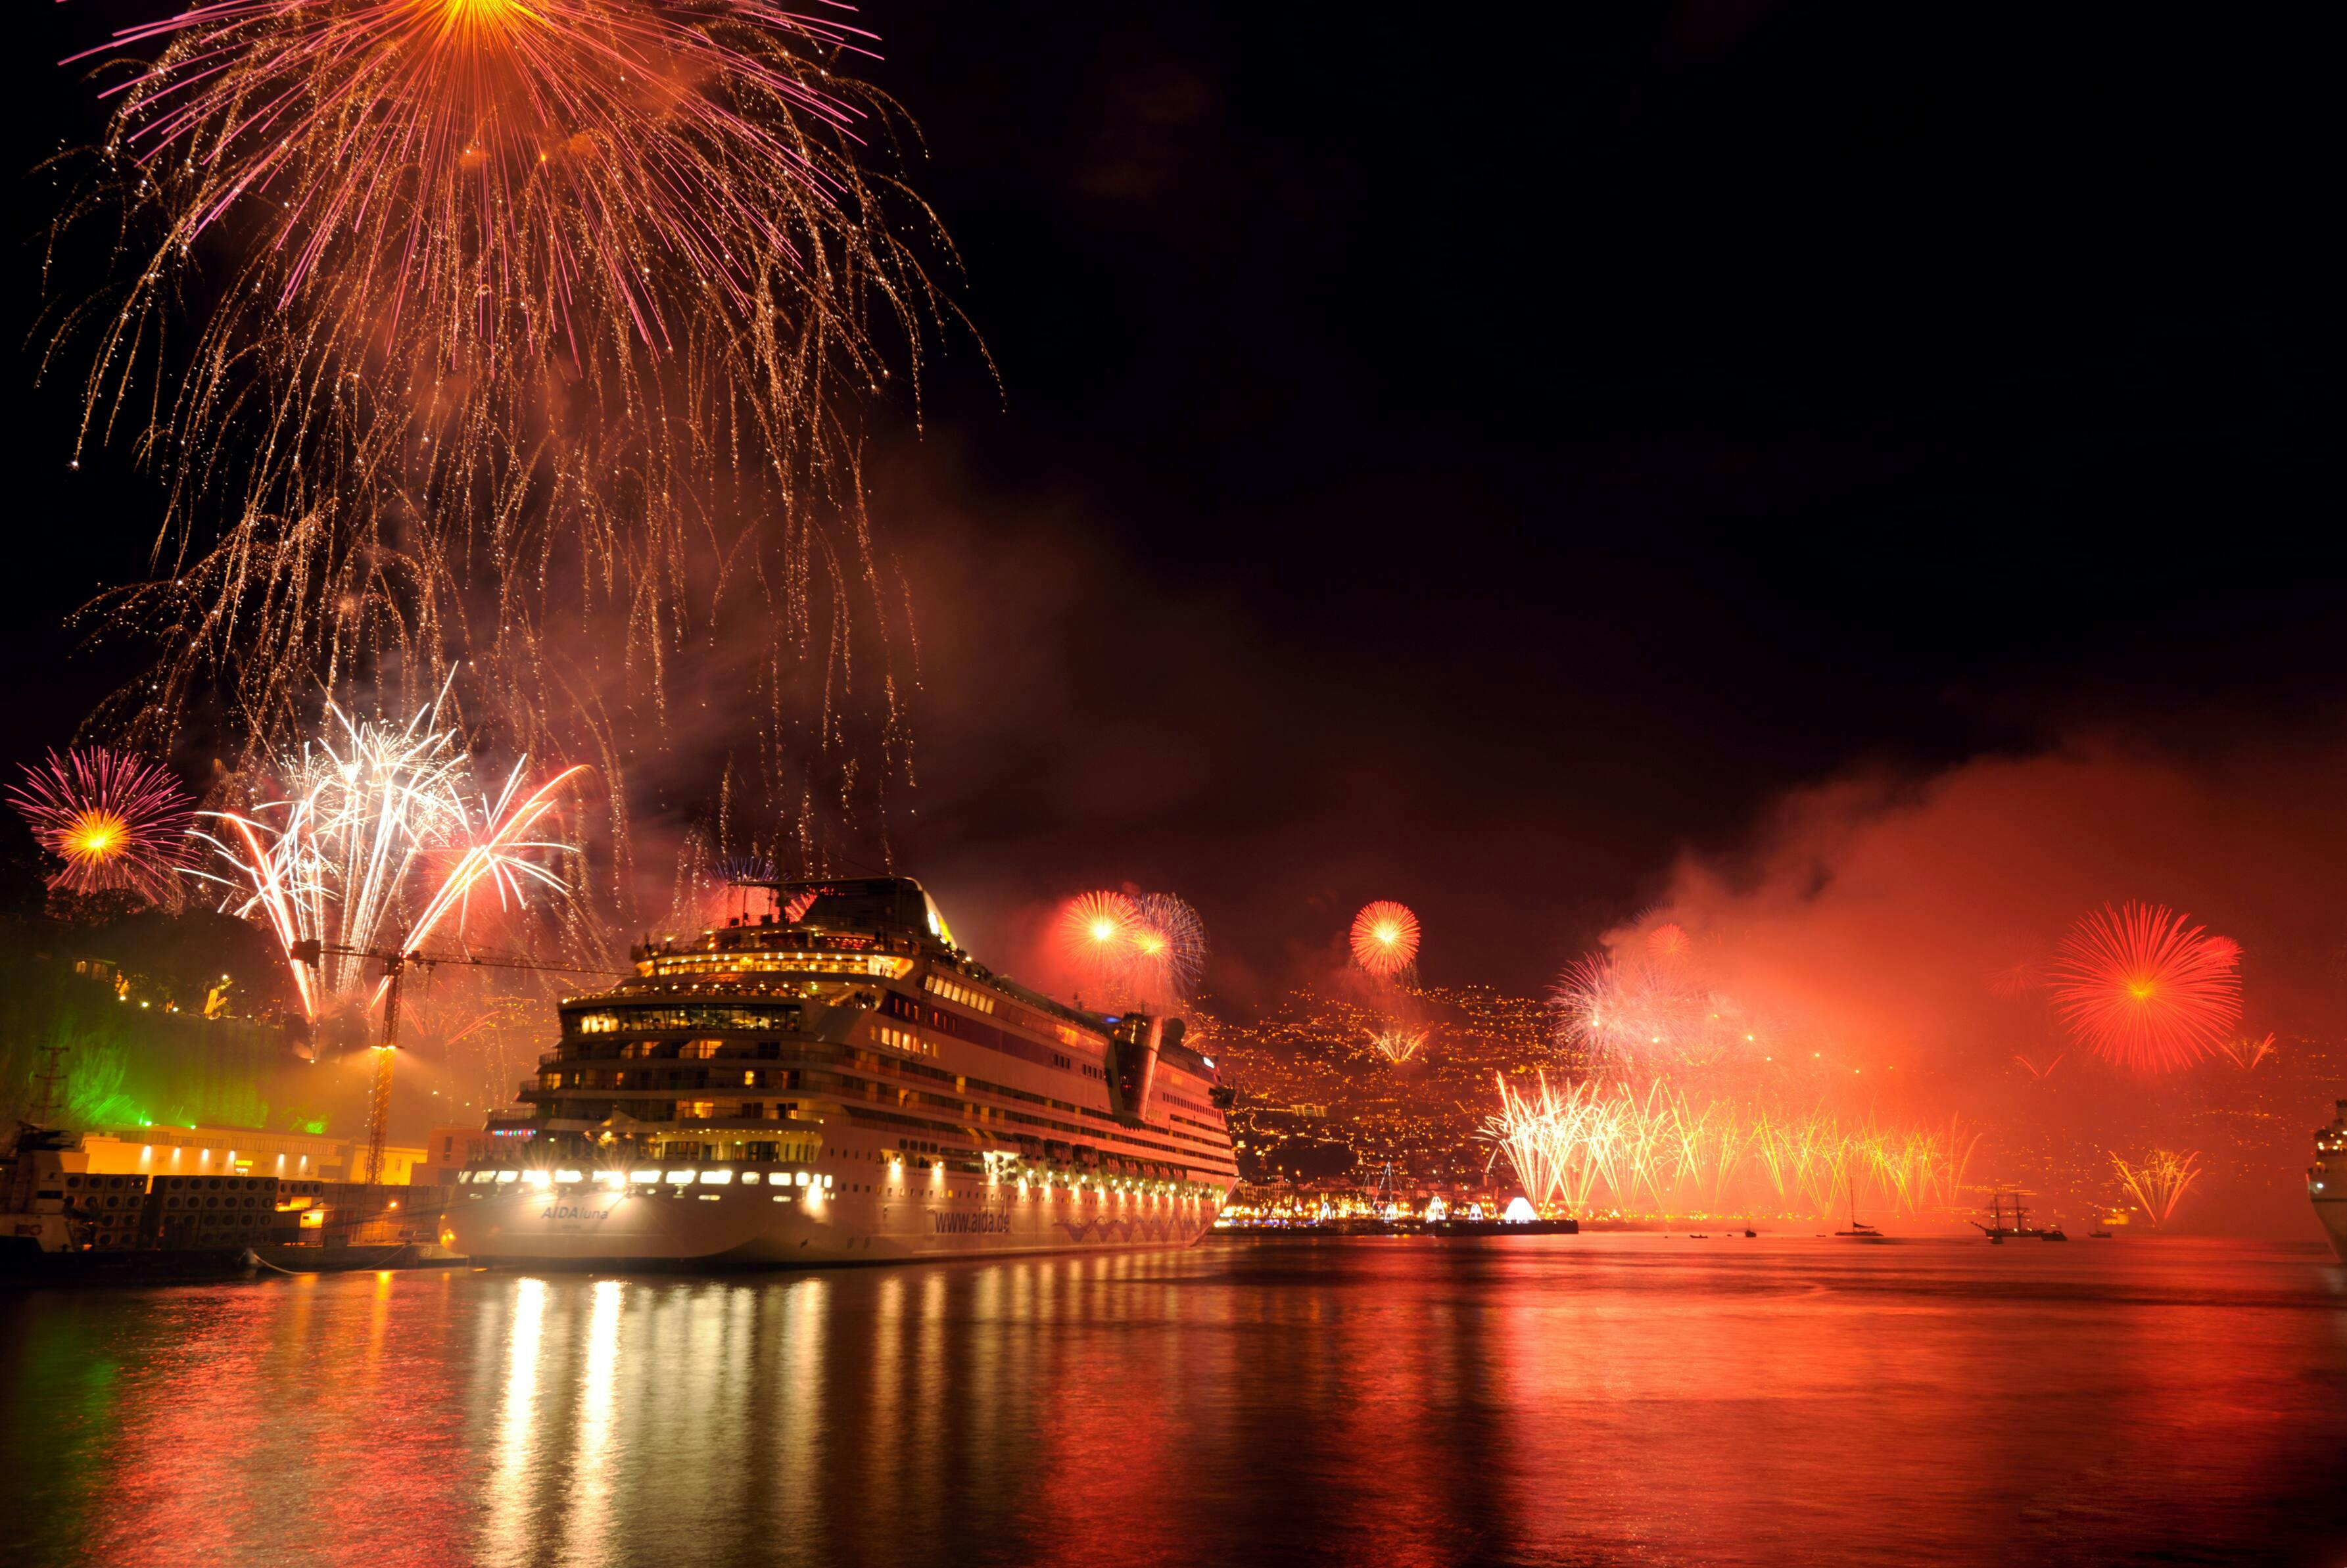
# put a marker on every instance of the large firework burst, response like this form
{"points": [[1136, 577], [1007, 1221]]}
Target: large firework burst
{"points": [[118, 822], [2141, 987], [1143, 951], [1385, 938], [1095, 937], [382, 841], [534, 355]]}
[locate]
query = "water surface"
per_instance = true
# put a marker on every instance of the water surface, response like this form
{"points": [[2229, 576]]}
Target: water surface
{"points": [[1543, 1400]]}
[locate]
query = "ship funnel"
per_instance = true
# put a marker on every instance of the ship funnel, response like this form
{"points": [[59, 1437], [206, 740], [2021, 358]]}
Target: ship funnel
{"points": [[1136, 1044]]}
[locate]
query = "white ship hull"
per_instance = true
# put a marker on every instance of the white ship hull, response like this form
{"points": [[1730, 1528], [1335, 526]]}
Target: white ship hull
{"points": [[586, 1225], [836, 1082], [2333, 1215], [2326, 1181]]}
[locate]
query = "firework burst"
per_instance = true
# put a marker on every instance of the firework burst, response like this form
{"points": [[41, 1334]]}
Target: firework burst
{"points": [[1571, 1147], [2140, 987], [1385, 940], [381, 840], [2158, 1181], [1628, 1010], [2246, 1053], [1143, 951], [118, 822], [1395, 1043], [1095, 937], [536, 354], [1168, 944]]}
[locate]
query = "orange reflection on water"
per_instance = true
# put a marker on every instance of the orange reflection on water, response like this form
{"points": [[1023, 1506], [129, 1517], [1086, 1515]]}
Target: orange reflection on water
{"points": [[1558, 1399]]}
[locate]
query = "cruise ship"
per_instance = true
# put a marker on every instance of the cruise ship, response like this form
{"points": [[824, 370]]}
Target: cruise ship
{"points": [[836, 1081], [2326, 1180]]}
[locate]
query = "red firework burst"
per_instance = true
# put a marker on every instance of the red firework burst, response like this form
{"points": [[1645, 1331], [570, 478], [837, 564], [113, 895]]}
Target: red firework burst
{"points": [[1669, 940], [1096, 932], [2140, 987], [116, 821], [1385, 938]]}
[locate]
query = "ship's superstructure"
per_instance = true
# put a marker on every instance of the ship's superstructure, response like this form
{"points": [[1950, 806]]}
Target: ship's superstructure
{"points": [[836, 1081], [2326, 1180]]}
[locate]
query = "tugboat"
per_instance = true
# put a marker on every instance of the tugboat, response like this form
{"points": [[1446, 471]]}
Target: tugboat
{"points": [[2328, 1195]]}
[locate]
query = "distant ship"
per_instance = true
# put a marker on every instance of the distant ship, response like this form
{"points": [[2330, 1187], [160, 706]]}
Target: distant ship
{"points": [[836, 1081], [2006, 1217], [2326, 1180]]}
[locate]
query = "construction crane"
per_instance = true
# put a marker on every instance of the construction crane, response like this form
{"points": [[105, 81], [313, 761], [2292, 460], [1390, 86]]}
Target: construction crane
{"points": [[397, 960]]}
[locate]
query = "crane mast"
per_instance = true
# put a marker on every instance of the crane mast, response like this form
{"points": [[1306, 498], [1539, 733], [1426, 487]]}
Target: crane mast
{"points": [[397, 959]]}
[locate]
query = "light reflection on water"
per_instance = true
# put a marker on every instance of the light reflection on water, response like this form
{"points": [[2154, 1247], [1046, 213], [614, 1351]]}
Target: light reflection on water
{"points": [[1571, 1399]]}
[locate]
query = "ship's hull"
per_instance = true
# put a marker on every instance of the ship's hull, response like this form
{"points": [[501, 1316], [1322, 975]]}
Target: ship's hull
{"points": [[747, 1226], [2332, 1213]]}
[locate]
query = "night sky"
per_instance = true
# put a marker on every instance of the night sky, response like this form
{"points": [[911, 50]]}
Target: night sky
{"points": [[1474, 462]]}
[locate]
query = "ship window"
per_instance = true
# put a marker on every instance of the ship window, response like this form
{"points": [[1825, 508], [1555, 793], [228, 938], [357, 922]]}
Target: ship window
{"points": [[750, 1178]]}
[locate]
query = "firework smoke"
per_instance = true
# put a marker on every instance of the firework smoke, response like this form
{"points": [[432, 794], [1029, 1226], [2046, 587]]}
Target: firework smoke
{"points": [[1632, 1010]]}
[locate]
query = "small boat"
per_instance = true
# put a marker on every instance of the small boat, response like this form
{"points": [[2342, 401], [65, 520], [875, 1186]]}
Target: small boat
{"points": [[2098, 1236], [1749, 1233], [1858, 1229], [2052, 1233]]}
